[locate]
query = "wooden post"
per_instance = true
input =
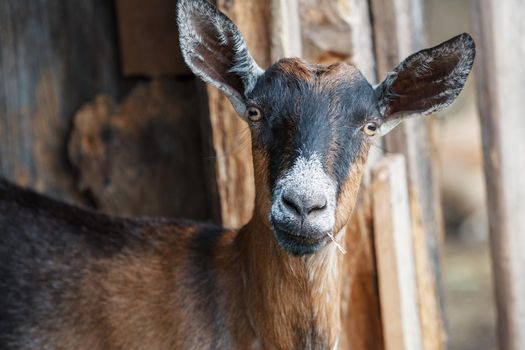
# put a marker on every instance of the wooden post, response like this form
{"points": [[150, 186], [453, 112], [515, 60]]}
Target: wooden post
{"points": [[395, 256], [501, 88], [398, 34], [285, 30], [334, 31]]}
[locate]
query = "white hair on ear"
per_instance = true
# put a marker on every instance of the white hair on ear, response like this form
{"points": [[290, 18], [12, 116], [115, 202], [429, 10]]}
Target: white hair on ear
{"points": [[245, 66], [204, 31], [431, 67]]}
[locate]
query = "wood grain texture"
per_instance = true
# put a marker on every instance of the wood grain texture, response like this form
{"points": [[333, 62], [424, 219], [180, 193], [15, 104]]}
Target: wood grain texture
{"points": [[143, 156], [337, 30], [501, 88], [54, 56], [231, 160], [285, 29], [397, 32], [395, 255]]}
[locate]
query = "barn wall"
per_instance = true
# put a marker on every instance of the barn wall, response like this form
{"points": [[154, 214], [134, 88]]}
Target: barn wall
{"points": [[74, 127]]}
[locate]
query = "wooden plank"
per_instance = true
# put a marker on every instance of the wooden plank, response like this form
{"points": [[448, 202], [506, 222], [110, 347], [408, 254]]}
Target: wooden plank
{"points": [[334, 31], [231, 160], [500, 83], [149, 44], [395, 255], [397, 32], [54, 56], [285, 30]]}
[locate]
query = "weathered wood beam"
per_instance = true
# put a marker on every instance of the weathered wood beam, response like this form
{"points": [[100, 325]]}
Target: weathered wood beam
{"points": [[395, 255], [338, 30], [285, 30], [169, 113], [501, 88]]}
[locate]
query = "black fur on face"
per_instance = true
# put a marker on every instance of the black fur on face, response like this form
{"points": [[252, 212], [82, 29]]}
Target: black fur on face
{"points": [[312, 109], [312, 125]]}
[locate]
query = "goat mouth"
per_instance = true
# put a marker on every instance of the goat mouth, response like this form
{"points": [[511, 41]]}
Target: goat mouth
{"points": [[300, 245]]}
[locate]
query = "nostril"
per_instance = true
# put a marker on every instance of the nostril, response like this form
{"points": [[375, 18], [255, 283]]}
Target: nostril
{"points": [[304, 204], [317, 207], [288, 202]]}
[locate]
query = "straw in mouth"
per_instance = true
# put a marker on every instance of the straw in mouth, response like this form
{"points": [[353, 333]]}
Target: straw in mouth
{"points": [[339, 246]]}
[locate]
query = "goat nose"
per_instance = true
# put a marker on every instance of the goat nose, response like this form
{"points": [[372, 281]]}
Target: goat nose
{"points": [[304, 204]]}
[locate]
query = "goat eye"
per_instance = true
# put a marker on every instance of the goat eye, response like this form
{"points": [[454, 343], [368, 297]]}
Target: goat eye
{"points": [[370, 129], [254, 114]]}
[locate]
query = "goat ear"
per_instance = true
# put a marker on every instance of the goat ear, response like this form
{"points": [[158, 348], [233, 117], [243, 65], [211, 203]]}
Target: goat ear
{"points": [[426, 82], [214, 49]]}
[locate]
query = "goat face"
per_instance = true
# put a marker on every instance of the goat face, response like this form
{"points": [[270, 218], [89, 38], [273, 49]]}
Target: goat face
{"points": [[312, 125], [310, 131]]}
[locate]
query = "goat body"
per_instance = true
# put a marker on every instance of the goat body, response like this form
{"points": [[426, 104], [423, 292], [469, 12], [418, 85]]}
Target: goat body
{"points": [[74, 279]]}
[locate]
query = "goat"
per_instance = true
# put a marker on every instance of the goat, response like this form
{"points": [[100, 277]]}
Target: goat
{"points": [[75, 279]]}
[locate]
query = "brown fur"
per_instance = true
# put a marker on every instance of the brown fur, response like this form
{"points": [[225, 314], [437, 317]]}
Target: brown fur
{"points": [[329, 76], [267, 299], [295, 67], [349, 190], [262, 194], [289, 297], [334, 74]]}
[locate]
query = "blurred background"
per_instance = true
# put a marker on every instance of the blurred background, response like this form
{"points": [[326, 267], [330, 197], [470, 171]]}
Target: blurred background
{"points": [[467, 274], [98, 109]]}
